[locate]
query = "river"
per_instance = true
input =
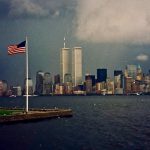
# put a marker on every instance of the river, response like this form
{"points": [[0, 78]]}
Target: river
{"points": [[98, 123]]}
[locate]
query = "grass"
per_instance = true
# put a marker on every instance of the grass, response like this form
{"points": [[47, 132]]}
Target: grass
{"points": [[5, 112]]}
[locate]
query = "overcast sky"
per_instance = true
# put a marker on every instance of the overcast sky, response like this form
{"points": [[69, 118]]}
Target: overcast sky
{"points": [[112, 33]]}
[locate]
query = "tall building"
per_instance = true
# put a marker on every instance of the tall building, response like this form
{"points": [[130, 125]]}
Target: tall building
{"points": [[1, 88], [68, 88], [57, 79], [128, 85], [139, 73], [5, 87], [65, 65], [47, 83], [118, 79], [110, 86], [131, 71], [101, 87], [92, 77], [101, 75], [39, 82], [146, 82], [77, 65], [88, 85]]}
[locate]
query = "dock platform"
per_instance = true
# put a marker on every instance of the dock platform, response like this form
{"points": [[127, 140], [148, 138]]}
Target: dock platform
{"points": [[33, 114]]}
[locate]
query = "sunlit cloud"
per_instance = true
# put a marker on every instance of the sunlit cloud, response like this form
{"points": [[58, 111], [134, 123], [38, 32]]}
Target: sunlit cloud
{"points": [[113, 21], [142, 57]]}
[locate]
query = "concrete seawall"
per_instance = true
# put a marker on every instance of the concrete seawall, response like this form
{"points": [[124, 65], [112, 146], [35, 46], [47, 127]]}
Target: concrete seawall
{"points": [[36, 114]]}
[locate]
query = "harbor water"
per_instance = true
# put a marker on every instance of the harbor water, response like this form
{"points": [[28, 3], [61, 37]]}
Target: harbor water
{"points": [[98, 123]]}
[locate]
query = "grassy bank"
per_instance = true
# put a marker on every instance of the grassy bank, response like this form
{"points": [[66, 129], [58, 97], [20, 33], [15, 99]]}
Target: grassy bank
{"points": [[5, 112]]}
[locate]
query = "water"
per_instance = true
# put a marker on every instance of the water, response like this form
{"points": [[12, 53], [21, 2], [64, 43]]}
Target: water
{"points": [[98, 123]]}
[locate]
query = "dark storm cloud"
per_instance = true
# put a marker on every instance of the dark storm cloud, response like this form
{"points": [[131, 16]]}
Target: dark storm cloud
{"points": [[35, 8], [4, 8]]}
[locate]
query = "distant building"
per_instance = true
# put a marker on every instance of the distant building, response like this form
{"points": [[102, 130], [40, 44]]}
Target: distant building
{"points": [[131, 71], [139, 75], [65, 62], [101, 75], [128, 85], [118, 79], [101, 87], [110, 86], [68, 88], [147, 84], [39, 82], [56, 90], [118, 82], [88, 85], [77, 65], [16, 91], [1, 88], [92, 77], [59, 89], [47, 83], [98, 88], [119, 91], [136, 86], [57, 79], [5, 87]]}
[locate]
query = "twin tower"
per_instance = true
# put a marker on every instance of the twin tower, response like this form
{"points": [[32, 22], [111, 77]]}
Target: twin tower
{"points": [[71, 65]]}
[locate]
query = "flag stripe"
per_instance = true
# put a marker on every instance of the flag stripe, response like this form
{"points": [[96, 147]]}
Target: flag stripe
{"points": [[15, 49]]}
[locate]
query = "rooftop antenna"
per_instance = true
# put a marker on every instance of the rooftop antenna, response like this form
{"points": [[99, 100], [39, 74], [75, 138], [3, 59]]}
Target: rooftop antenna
{"points": [[64, 42]]}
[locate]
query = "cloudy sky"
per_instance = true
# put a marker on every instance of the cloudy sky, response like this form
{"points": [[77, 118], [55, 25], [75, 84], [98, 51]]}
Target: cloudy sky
{"points": [[112, 33]]}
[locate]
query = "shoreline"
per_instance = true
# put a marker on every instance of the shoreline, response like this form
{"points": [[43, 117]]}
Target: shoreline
{"points": [[61, 95], [34, 114]]}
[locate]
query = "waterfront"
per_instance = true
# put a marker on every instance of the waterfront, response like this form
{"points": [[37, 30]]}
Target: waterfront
{"points": [[99, 122]]}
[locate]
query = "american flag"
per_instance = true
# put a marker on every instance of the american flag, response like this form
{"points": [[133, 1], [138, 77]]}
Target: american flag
{"points": [[18, 48]]}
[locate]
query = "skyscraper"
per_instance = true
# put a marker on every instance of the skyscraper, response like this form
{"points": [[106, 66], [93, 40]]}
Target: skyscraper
{"points": [[101, 75], [118, 79], [139, 73], [47, 83], [77, 65], [131, 71], [65, 59], [92, 77], [5, 87], [39, 82], [110, 86], [88, 85], [1, 88], [57, 79], [128, 85]]}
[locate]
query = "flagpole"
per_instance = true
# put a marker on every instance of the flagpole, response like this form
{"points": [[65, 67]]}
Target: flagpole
{"points": [[27, 76]]}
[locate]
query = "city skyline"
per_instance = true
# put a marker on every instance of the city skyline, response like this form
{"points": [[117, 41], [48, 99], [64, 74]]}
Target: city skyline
{"points": [[130, 81], [111, 47]]}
